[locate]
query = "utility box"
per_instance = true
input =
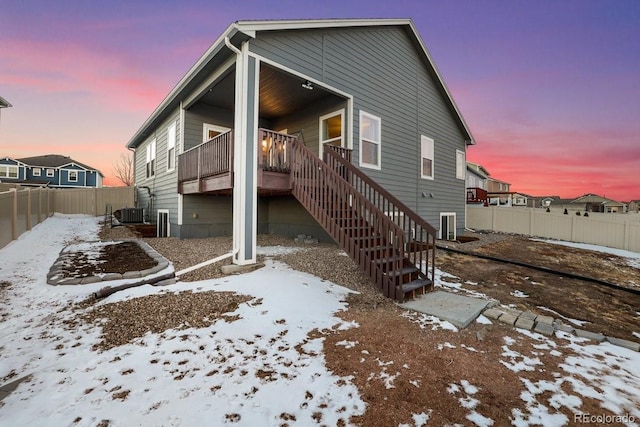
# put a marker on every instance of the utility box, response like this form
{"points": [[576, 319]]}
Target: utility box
{"points": [[131, 215]]}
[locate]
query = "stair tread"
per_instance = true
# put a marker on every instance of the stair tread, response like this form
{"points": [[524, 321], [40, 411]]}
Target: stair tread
{"points": [[403, 271], [415, 284]]}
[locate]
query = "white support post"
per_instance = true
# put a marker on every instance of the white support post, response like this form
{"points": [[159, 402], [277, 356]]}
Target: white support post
{"points": [[245, 186]]}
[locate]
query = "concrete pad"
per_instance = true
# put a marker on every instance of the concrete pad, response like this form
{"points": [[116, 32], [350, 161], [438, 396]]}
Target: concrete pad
{"points": [[590, 335], [524, 323], [544, 329], [624, 343], [492, 313], [548, 320], [457, 309], [508, 318]]}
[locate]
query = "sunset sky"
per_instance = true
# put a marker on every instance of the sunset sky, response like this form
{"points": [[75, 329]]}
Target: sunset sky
{"points": [[549, 89]]}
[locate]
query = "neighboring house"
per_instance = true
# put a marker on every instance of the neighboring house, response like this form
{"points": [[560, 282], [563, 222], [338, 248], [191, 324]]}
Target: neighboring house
{"points": [[476, 182], [633, 206], [236, 147], [496, 186], [507, 199], [589, 203], [50, 170], [477, 176]]}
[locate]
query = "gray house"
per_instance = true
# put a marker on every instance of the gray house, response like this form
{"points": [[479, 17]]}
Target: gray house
{"points": [[340, 129]]}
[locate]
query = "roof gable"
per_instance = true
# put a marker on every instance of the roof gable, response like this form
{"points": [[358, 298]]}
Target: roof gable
{"points": [[246, 30], [54, 161]]}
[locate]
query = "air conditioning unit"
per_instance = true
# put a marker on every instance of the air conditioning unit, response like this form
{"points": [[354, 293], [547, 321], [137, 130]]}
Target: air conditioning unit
{"points": [[131, 215]]}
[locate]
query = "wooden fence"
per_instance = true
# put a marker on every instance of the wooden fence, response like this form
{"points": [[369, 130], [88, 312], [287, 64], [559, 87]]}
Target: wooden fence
{"points": [[621, 231], [22, 208]]}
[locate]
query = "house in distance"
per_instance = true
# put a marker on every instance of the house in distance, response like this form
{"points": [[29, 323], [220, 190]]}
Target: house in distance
{"points": [[50, 170]]}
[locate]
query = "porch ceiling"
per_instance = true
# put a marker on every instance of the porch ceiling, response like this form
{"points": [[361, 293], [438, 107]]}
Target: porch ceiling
{"points": [[281, 93]]}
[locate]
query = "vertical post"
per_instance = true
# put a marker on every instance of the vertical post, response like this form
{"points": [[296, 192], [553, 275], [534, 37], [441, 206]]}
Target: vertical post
{"points": [[245, 188], [14, 215], [39, 205], [28, 209]]}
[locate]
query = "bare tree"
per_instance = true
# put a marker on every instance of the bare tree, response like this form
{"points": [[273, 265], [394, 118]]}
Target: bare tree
{"points": [[123, 169]]}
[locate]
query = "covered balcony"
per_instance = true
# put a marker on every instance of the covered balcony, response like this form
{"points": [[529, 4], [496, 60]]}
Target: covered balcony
{"points": [[208, 167]]}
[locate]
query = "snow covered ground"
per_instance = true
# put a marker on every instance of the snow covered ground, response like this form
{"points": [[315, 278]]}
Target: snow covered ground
{"points": [[262, 369]]}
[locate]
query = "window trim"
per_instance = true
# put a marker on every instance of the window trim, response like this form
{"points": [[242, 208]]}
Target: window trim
{"points": [[455, 223], [171, 133], [69, 175], [431, 148], [7, 175], [461, 168], [38, 170], [378, 120], [163, 212], [206, 127], [321, 142], [150, 163]]}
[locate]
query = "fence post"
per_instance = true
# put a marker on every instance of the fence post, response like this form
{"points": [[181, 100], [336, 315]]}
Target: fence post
{"points": [[39, 205], [531, 210], [493, 218], [627, 233], [28, 209], [14, 215]]}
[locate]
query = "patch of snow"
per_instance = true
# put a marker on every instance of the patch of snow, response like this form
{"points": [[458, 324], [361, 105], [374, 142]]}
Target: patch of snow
{"points": [[518, 294], [277, 250], [525, 363], [509, 340], [446, 345], [425, 320], [483, 320], [479, 419], [636, 334], [347, 344], [574, 321], [419, 420]]}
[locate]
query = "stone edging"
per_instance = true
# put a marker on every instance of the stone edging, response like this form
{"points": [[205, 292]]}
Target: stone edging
{"points": [[547, 325], [54, 277]]}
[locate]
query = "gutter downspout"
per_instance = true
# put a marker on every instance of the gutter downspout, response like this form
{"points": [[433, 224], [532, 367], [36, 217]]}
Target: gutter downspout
{"points": [[235, 50]]}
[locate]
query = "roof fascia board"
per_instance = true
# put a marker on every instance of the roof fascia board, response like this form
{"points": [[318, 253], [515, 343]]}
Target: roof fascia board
{"points": [[178, 88], [301, 24]]}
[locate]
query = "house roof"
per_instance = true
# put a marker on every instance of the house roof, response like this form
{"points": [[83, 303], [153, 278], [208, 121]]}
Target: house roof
{"points": [[245, 30], [478, 169], [498, 180], [4, 103], [53, 161]]}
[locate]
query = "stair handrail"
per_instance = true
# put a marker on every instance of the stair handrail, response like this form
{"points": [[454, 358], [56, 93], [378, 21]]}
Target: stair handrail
{"points": [[385, 226], [375, 192]]}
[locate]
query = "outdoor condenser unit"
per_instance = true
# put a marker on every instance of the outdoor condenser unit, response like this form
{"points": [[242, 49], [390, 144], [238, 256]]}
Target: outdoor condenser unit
{"points": [[131, 215]]}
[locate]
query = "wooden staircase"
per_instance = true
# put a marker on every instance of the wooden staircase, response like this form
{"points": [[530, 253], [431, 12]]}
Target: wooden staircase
{"points": [[389, 241]]}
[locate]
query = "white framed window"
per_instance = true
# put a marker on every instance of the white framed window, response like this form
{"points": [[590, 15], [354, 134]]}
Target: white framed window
{"points": [[461, 165], [426, 157], [210, 131], [447, 226], [331, 130], [171, 147], [8, 171], [50, 173], [73, 176], [163, 227], [370, 140], [151, 159], [36, 171]]}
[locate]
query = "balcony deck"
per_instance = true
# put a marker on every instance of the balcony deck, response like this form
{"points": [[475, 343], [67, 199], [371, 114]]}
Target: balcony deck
{"points": [[208, 167]]}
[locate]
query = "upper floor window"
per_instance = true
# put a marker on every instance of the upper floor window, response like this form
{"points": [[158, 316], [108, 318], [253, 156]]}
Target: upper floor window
{"points": [[370, 140], [426, 148], [36, 171], [461, 165], [73, 176], [8, 171], [50, 173], [151, 159], [171, 147]]}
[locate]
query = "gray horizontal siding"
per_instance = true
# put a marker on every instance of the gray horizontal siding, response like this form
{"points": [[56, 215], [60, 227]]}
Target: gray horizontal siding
{"points": [[163, 186], [196, 116], [387, 77]]}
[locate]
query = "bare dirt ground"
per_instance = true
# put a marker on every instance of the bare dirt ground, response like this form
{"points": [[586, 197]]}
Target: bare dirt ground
{"points": [[456, 380]]}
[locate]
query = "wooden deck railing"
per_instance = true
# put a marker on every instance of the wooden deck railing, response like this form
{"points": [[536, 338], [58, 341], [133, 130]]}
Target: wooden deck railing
{"points": [[365, 232], [476, 195], [210, 158], [418, 233], [273, 151]]}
